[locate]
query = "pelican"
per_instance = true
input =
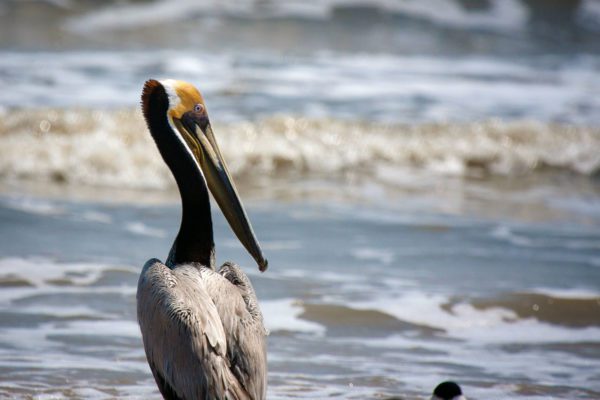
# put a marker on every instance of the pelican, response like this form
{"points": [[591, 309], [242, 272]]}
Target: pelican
{"points": [[202, 328]]}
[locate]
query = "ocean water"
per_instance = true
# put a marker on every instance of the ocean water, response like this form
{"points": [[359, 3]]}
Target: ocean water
{"points": [[360, 303], [422, 176]]}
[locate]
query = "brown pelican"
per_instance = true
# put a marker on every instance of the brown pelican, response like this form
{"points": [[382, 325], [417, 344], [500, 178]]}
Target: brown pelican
{"points": [[202, 328]]}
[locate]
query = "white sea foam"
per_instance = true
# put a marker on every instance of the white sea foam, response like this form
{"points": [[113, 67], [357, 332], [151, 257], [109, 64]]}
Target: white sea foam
{"points": [[566, 240], [282, 315], [95, 150], [504, 15], [505, 233], [501, 15], [95, 216], [139, 228], [108, 328], [39, 271], [33, 206], [504, 366], [56, 319], [114, 149], [62, 310], [383, 256], [43, 276], [124, 16], [463, 321], [360, 86], [572, 293]]}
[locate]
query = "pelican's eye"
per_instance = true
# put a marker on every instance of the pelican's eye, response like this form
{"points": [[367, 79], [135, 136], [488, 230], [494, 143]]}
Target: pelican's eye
{"points": [[196, 116]]}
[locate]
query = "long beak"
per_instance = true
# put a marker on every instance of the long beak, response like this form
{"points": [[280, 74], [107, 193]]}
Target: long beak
{"points": [[205, 148]]}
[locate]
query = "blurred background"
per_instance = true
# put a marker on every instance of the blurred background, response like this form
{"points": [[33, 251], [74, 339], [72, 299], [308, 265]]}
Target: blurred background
{"points": [[422, 175]]}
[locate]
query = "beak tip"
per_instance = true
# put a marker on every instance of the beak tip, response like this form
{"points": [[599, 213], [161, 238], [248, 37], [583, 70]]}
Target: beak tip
{"points": [[263, 265]]}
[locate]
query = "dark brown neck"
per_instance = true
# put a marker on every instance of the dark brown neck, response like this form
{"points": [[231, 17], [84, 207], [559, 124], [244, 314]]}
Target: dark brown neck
{"points": [[194, 242]]}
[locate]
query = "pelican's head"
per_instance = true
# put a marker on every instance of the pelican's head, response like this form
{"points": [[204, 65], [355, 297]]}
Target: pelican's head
{"points": [[187, 116]]}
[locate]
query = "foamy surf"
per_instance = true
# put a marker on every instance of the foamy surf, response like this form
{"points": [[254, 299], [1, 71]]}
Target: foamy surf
{"points": [[282, 315], [492, 322], [379, 87], [500, 15], [113, 148]]}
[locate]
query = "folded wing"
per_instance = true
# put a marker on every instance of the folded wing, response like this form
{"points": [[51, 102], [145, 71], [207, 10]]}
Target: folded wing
{"points": [[184, 337]]}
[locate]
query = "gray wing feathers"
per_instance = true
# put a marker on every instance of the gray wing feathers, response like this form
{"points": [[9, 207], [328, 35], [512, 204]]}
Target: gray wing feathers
{"points": [[245, 333], [185, 340]]}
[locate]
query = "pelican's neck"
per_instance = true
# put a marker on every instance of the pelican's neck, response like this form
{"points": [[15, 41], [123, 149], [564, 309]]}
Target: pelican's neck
{"points": [[194, 243]]}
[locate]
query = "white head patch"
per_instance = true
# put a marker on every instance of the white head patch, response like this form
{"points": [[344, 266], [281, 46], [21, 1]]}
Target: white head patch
{"points": [[169, 85]]}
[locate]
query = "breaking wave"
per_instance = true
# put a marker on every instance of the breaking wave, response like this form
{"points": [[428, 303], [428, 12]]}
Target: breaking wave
{"points": [[496, 15], [113, 148]]}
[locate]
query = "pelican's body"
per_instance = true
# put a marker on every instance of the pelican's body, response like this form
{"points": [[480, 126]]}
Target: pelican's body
{"points": [[202, 329]]}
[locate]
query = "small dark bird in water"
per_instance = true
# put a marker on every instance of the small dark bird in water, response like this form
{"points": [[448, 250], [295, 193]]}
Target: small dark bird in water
{"points": [[444, 391], [447, 391]]}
